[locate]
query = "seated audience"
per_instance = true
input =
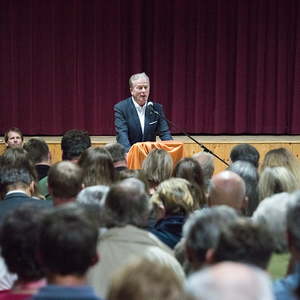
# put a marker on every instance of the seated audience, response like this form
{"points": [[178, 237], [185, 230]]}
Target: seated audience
{"points": [[288, 288], [245, 242], [118, 154], [65, 181], [245, 152], [67, 248], [39, 154], [229, 281], [189, 169], [272, 213], [91, 199], [201, 234], [282, 157], [206, 161], [13, 138], [250, 176], [97, 166], [146, 280], [276, 180], [228, 188], [18, 239], [175, 196], [125, 213], [157, 167]]}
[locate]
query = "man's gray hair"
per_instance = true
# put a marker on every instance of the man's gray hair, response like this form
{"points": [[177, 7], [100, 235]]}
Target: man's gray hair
{"points": [[94, 195], [137, 76], [271, 213], [293, 219], [230, 281]]}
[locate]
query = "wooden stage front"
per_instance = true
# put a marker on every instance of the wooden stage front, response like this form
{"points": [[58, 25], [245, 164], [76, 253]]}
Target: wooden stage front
{"points": [[220, 144]]}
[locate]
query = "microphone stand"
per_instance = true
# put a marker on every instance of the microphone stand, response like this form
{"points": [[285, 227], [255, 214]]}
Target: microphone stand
{"points": [[150, 105]]}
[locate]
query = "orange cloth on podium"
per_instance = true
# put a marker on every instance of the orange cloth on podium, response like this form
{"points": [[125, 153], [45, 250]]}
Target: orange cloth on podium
{"points": [[139, 151]]}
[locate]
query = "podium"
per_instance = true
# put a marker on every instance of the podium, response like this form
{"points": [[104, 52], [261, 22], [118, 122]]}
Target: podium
{"points": [[138, 152]]}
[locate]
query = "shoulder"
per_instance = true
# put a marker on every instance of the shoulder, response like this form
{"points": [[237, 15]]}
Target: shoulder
{"points": [[124, 103]]}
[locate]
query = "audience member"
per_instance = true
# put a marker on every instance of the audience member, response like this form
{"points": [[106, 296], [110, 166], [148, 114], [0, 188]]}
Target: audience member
{"points": [[201, 234], [206, 161], [189, 169], [230, 281], [146, 280], [282, 157], [245, 152], [97, 166], [67, 249], [250, 176], [126, 211], [245, 242], [92, 199], [118, 154], [176, 198], [65, 181], [18, 239], [287, 288], [157, 167], [272, 213], [228, 188], [13, 138], [274, 181], [39, 154]]}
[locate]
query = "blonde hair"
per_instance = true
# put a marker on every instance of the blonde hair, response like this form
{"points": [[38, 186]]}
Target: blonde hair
{"points": [[176, 195]]}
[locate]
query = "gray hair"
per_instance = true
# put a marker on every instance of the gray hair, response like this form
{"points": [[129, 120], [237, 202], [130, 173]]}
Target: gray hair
{"points": [[93, 195], [293, 219], [137, 76], [230, 281], [271, 212]]}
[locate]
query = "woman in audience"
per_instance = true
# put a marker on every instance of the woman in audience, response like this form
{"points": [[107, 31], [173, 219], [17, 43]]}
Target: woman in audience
{"points": [[281, 157], [157, 167], [144, 279], [174, 199], [97, 167], [190, 169], [276, 180], [18, 239]]}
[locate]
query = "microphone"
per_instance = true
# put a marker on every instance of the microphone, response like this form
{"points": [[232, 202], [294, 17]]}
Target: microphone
{"points": [[150, 105]]}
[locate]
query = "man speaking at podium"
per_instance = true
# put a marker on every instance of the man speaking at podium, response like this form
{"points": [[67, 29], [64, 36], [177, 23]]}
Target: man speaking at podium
{"points": [[136, 118]]}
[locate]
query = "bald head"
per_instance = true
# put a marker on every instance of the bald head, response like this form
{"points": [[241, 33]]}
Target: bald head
{"points": [[230, 281], [227, 188]]}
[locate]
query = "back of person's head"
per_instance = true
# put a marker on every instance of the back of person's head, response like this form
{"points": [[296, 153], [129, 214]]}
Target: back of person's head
{"points": [[67, 242], [227, 188], [249, 174], [206, 161], [126, 203], [245, 242], [202, 230], [97, 166], [276, 180], [117, 151], [37, 149], [73, 143], [65, 179], [19, 235], [271, 213], [176, 195], [229, 281], [157, 166], [245, 152], [91, 199], [293, 222], [147, 280]]}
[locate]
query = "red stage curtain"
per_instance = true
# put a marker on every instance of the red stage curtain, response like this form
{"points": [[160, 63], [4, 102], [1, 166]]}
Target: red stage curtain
{"points": [[217, 66]]}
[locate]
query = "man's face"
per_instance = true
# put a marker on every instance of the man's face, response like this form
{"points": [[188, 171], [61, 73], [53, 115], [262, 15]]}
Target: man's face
{"points": [[140, 91], [14, 140]]}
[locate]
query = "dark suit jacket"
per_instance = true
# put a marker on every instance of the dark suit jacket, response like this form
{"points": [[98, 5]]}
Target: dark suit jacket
{"points": [[128, 127], [14, 200]]}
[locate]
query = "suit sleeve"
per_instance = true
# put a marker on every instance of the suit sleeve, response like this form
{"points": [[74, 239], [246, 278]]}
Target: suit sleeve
{"points": [[163, 129], [121, 127]]}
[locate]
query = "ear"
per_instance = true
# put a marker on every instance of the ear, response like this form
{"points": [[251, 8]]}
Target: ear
{"points": [[209, 256], [95, 259], [31, 187], [49, 157]]}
